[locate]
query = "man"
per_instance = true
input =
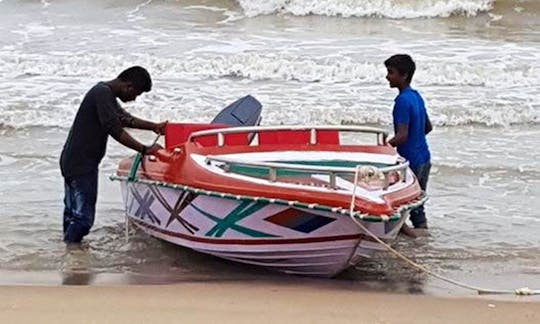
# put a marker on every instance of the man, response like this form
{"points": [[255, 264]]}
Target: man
{"points": [[99, 116], [411, 125]]}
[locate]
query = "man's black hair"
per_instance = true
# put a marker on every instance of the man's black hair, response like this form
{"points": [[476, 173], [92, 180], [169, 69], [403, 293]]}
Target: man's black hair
{"points": [[138, 76], [403, 63]]}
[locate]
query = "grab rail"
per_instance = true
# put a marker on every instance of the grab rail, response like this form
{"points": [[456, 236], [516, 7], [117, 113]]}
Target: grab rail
{"points": [[272, 167], [382, 135]]}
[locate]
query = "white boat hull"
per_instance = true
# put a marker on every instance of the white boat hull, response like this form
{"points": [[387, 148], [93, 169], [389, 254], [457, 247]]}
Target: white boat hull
{"points": [[279, 237]]}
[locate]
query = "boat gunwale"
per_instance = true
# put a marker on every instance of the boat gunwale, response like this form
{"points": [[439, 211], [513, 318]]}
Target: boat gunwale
{"points": [[395, 216]]}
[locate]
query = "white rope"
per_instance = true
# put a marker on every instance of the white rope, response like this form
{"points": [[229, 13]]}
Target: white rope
{"points": [[126, 222], [126, 228], [520, 291]]}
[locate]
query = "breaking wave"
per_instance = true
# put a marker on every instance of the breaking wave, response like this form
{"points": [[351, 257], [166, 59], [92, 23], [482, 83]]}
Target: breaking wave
{"points": [[274, 66], [488, 92], [367, 8]]}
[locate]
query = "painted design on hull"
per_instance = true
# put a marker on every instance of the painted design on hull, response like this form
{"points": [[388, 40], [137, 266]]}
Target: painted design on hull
{"points": [[144, 202], [244, 219], [144, 208], [299, 221], [184, 198], [252, 232], [243, 210]]}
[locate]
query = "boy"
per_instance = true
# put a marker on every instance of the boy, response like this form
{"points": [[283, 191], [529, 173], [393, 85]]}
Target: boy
{"points": [[411, 125], [99, 116]]}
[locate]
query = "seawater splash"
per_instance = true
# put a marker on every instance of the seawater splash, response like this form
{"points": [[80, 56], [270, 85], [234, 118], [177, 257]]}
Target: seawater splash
{"points": [[367, 8]]}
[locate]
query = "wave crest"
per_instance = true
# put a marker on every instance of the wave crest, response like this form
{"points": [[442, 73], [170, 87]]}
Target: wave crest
{"points": [[367, 8], [460, 71], [45, 89]]}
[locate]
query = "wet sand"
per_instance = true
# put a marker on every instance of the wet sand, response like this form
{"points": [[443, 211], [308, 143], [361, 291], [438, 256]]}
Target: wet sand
{"points": [[246, 303]]}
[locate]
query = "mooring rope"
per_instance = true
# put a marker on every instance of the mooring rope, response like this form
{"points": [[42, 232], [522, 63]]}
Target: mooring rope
{"points": [[482, 291]]}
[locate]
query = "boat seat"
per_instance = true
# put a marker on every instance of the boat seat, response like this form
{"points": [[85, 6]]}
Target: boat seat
{"points": [[297, 137], [327, 137], [178, 133]]}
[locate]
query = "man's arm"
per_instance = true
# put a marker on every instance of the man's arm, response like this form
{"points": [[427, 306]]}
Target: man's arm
{"points": [[112, 123], [401, 135], [131, 121], [127, 140]]}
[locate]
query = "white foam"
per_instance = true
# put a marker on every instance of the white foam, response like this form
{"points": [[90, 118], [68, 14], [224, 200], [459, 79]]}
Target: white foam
{"points": [[367, 8], [460, 87], [323, 90], [134, 15], [202, 7], [45, 3], [432, 71], [6, 160]]}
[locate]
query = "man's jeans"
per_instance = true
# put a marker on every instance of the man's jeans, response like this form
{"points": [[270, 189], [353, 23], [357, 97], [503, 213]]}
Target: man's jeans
{"points": [[79, 206], [418, 216]]}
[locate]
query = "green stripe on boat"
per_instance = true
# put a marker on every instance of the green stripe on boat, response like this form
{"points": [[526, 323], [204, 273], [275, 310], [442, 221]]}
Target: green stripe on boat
{"points": [[229, 222], [263, 173]]}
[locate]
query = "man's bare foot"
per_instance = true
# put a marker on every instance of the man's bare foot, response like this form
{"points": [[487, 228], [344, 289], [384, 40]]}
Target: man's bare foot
{"points": [[408, 231]]}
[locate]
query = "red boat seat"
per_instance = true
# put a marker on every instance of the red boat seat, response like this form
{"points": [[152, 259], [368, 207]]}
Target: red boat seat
{"points": [[327, 137], [178, 133], [297, 137]]}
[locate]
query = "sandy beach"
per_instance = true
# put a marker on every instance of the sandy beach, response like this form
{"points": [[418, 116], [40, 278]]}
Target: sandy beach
{"points": [[244, 303]]}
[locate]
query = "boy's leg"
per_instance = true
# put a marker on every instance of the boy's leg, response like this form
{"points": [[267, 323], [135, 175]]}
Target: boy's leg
{"points": [[418, 215], [83, 191]]}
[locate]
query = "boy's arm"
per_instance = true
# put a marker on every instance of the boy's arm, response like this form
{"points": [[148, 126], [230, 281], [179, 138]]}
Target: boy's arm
{"points": [[401, 121], [429, 127], [401, 135]]}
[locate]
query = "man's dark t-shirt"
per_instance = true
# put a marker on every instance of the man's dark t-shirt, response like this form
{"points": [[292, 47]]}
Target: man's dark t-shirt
{"points": [[99, 115]]}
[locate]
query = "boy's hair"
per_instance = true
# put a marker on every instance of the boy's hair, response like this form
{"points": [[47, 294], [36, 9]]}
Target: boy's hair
{"points": [[138, 76], [403, 63]]}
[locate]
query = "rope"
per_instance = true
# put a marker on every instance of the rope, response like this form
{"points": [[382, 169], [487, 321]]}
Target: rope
{"points": [[481, 291], [126, 226]]}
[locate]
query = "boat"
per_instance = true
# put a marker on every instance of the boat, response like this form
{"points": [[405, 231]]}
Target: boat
{"points": [[295, 199]]}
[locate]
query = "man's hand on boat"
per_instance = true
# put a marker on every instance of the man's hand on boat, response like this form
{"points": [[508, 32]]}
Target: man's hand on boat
{"points": [[127, 140], [151, 150], [159, 128]]}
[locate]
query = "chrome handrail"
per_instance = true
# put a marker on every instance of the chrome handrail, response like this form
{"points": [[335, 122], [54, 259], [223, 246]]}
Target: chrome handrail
{"points": [[273, 167], [382, 135]]}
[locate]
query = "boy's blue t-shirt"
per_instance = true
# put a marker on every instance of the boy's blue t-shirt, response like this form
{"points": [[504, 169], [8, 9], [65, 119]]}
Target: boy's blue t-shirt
{"points": [[409, 109]]}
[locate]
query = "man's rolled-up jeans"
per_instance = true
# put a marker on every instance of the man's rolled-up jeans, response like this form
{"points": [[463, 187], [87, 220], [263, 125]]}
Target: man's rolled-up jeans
{"points": [[79, 206]]}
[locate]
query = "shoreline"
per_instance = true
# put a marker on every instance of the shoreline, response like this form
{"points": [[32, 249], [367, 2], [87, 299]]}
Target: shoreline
{"points": [[247, 303], [427, 286]]}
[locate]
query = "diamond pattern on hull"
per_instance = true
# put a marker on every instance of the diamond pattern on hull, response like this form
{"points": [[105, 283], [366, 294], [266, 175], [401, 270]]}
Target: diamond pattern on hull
{"points": [[299, 220]]}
